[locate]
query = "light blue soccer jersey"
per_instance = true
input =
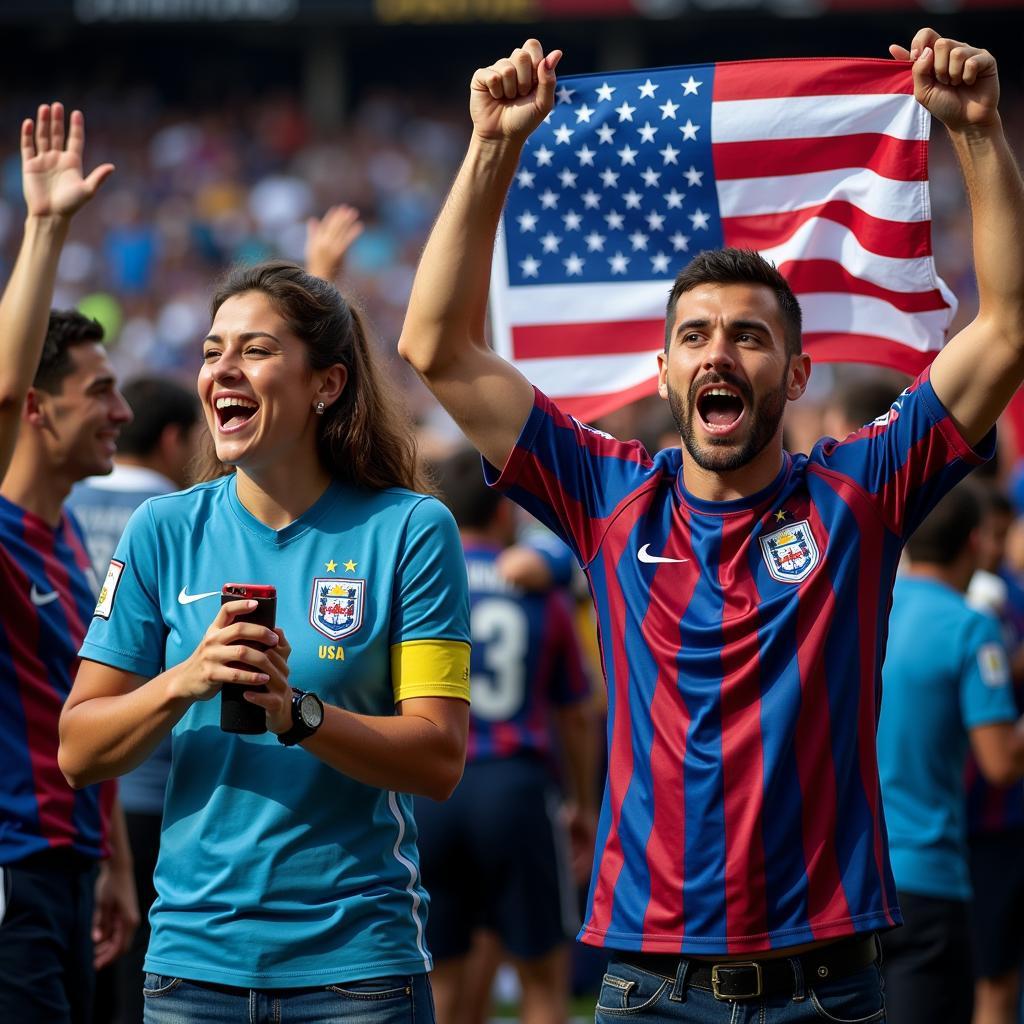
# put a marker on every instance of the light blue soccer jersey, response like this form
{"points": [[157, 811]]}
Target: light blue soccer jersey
{"points": [[276, 870], [945, 673]]}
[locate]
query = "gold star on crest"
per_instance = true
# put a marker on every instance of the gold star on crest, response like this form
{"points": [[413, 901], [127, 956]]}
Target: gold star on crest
{"points": [[350, 566], [780, 515], [331, 565]]}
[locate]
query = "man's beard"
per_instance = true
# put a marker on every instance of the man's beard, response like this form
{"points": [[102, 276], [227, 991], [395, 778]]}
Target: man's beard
{"points": [[720, 455]]}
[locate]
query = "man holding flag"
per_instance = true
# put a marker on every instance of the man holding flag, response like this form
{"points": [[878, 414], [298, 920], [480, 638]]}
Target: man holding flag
{"points": [[741, 592]]}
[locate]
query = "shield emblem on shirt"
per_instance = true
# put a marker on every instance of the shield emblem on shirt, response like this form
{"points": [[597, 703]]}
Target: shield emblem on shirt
{"points": [[336, 606], [790, 552]]}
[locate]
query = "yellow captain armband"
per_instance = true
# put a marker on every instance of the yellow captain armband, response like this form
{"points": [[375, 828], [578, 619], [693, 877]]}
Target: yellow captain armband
{"points": [[430, 668]]}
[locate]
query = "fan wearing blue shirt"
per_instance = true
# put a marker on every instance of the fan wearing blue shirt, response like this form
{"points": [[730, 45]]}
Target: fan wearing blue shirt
{"points": [[946, 689]]}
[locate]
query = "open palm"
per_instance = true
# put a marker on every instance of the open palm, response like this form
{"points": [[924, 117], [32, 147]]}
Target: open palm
{"points": [[52, 178]]}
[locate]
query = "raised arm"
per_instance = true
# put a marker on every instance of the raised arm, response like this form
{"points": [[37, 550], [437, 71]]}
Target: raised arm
{"points": [[978, 371], [54, 191], [443, 337]]}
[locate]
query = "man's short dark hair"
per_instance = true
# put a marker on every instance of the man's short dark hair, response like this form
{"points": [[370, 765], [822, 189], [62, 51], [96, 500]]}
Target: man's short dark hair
{"points": [[67, 328], [156, 404], [946, 530], [460, 480], [738, 266]]}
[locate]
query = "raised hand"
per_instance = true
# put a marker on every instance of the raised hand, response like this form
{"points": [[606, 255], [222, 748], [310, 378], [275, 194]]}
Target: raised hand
{"points": [[52, 175], [328, 240], [954, 82], [511, 97]]}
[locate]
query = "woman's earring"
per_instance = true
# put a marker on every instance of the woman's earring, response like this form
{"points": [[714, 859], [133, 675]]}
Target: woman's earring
{"points": [[320, 408]]}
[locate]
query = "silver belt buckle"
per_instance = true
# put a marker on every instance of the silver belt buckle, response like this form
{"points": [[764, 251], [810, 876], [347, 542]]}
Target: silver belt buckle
{"points": [[715, 968]]}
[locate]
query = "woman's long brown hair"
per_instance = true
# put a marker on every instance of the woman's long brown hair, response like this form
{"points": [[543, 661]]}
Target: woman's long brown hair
{"points": [[365, 437]]}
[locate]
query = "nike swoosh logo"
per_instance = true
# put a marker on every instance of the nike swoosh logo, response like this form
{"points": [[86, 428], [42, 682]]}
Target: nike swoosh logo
{"points": [[186, 598], [39, 599], [645, 556]]}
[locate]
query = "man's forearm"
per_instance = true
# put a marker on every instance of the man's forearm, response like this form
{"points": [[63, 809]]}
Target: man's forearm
{"points": [[996, 194], [24, 314], [449, 297]]}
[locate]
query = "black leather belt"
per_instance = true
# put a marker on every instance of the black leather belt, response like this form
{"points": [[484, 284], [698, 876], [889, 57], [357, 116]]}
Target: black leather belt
{"points": [[751, 979]]}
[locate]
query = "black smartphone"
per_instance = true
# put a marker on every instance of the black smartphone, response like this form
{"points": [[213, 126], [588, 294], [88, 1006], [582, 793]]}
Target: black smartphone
{"points": [[236, 713]]}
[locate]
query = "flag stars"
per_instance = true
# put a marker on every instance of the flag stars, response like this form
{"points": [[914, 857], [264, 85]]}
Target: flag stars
{"points": [[651, 177], [647, 132], [573, 265], [548, 199], [689, 130], [563, 133], [618, 263], [633, 199], [628, 156], [544, 156], [680, 242], [693, 177], [699, 219], [565, 95], [525, 178], [550, 242], [572, 220], [529, 266], [527, 221], [647, 90], [609, 178], [625, 112], [591, 199], [606, 133], [655, 221], [614, 220], [567, 178], [595, 242], [668, 110], [638, 240], [604, 92], [585, 155], [584, 114], [674, 199], [659, 263], [690, 86], [669, 154]]}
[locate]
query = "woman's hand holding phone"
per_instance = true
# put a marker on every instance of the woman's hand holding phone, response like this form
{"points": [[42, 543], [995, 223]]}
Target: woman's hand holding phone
{"points": [[277, 700], [222, 657]]}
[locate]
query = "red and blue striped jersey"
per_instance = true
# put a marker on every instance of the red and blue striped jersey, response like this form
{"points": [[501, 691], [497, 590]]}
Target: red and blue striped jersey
{"points": [[742, 644], [525, 661], [47, 603]]}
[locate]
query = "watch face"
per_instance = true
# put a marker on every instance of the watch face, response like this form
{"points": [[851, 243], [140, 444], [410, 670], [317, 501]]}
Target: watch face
{"points": [[311, 711]]}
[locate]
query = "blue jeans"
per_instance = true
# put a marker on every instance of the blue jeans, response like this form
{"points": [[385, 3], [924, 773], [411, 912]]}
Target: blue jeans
{"points": [[394, 1000], [631, 994]]}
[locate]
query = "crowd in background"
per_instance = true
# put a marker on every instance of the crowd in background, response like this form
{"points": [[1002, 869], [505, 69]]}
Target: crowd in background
{"points": [[196, 192]]}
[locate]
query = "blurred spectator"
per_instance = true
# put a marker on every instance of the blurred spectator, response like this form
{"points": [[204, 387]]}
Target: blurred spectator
{"points": [[946, 686]]}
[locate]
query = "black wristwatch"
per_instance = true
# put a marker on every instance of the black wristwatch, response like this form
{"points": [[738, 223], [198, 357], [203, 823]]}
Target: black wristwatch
{"points": [[307, 717]]}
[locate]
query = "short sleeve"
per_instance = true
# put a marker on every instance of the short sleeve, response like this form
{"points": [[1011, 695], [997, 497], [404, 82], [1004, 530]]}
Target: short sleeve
{"points": [[908, 458], [127, 629], [986, 690], [431, 592], [570, 476]]}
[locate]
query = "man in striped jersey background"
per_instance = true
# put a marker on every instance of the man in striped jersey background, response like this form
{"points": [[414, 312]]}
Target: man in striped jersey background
{"points": [[741, 867]]}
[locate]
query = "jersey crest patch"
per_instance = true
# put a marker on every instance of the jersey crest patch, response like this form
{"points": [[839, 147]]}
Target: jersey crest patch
{"points": [[336, 606], [105, 604], [791, 552]]}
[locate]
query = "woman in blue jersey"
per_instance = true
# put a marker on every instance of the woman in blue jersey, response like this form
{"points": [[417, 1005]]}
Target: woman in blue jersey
{"points": [[288, 875]]}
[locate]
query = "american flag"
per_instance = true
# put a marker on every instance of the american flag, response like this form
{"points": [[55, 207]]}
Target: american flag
{"points": [[819, 164]]}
